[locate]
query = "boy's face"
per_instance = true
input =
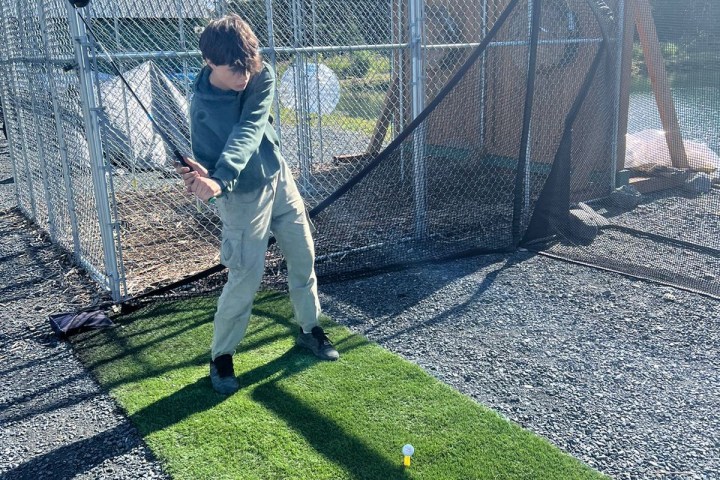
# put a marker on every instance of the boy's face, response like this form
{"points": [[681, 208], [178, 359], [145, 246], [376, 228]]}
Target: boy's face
{"points": [[226, 78]]}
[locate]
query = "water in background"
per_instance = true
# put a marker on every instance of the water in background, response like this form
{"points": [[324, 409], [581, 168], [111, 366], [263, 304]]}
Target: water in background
{"points": [[697, 106]]}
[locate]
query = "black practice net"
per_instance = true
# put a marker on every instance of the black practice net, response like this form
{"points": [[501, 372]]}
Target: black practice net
{"points": [[466, 174], [661, 222]]}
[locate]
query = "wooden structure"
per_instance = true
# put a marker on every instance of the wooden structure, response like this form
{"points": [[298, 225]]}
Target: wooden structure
{"points": [[483, 115], [641, 14]]}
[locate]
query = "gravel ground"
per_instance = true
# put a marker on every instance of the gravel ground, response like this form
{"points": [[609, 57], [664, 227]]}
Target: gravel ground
{"points": [[622, 374], [54, 420]]}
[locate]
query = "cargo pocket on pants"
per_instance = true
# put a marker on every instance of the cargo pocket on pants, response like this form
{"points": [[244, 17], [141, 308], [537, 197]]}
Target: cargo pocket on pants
{"points": [[231, 250]]}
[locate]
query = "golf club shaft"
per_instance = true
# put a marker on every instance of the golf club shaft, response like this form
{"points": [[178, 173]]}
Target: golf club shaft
{"points": [[166, 138]]}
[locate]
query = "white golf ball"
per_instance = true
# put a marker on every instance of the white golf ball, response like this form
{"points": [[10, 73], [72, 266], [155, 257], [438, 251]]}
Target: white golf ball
{"points": [[408, 450]]}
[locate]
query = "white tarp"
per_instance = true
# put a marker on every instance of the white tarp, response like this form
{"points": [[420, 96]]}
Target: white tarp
{"points": [[648, 148], [131, 140], [323, 89]]}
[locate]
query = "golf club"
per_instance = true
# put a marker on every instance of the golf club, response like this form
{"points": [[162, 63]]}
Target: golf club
{"points": [[176, 152]]}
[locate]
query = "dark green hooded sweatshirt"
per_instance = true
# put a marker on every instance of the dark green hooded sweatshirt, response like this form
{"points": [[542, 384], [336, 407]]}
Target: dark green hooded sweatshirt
{"points": [[231, 132]]}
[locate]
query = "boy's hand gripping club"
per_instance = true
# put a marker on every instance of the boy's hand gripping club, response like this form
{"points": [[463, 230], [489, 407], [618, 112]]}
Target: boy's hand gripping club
{"points": [[192, 172]]}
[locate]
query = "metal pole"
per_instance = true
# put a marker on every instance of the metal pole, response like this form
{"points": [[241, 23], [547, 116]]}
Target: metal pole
{"points": [[317, 83], [98, 169], [303, 129], [619, 47], [304, 93], [402, 81], [183, 45], [296, 97], [62, 146], [108, 168], [126, 113], [23, 142], [196, 54], [418, 104], [533, 18], [273, 62], [521, 200], [483, 74]]}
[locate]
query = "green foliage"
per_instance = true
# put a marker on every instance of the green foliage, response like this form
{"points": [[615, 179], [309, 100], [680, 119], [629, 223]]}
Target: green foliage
{"points": [[361, 63], [296, 417], [335, 22], [670, 50], [358, 64], [679, 59], [349, 65], [340, 64], [688, 22]]}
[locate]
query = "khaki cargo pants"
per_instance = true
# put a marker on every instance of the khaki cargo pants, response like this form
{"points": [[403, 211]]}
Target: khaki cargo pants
{"points": [[248, 219]]}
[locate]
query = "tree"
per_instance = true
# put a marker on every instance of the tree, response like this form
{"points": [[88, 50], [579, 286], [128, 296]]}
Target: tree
{"points": [[692, 23]]}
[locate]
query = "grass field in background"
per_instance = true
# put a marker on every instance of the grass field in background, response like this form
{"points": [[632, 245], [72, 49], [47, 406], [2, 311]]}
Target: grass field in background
{"points": [[364, 79], [296, 417]]}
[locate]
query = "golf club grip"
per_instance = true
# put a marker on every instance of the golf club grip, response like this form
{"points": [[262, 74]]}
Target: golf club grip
{"points": [[179, 157]]}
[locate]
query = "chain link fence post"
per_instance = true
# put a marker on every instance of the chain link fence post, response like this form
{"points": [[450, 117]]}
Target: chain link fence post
{"points": [[98, 167], [619, 47], [418, 104], [273, 58]]}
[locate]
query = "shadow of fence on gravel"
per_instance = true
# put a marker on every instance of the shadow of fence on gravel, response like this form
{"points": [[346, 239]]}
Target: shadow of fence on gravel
{"points": [[43, 407], [411, 288], [24, 266], [79, 457], [461, 307]]}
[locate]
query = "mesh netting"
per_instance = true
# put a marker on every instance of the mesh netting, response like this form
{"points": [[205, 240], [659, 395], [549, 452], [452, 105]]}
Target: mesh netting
{"points": [[661, 223], [465, 178]]}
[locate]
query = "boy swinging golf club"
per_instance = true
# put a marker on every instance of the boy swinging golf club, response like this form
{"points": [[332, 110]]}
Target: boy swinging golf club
{"points": [[237, 160]]}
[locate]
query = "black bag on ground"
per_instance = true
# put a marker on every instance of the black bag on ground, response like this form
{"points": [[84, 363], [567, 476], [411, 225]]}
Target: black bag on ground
{"points": [[66, 324]]}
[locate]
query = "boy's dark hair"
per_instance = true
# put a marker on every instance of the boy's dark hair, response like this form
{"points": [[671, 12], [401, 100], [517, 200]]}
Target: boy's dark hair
{"points": [[229, 40]]}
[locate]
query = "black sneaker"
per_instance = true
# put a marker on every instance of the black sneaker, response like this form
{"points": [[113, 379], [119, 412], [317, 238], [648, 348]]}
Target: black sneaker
{"points": [[222, 375], [317, 342]]}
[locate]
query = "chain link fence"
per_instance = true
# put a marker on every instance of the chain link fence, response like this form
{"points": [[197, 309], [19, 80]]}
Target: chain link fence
{"points": [[466, 175], [45, 127], [417, 129], [93, 170]]}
